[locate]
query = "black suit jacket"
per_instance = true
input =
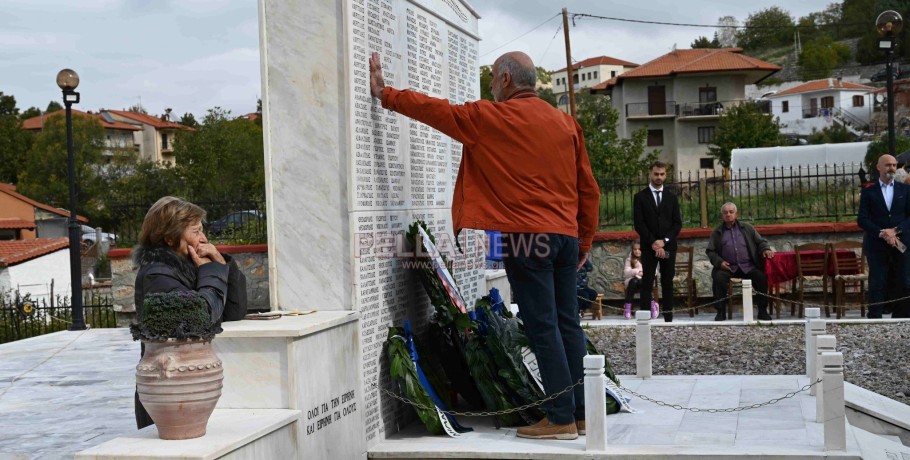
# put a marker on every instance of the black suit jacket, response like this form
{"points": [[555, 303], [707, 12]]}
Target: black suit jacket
{"points": [[874, 216], [652, 223]]}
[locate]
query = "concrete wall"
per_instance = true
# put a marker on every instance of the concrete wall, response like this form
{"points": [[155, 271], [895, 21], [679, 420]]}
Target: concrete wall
{"points": [[253, 262], [34, 276]]}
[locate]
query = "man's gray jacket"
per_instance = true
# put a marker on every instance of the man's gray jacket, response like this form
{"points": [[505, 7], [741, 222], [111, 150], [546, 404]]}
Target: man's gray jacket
{"points": [[756, 244]]}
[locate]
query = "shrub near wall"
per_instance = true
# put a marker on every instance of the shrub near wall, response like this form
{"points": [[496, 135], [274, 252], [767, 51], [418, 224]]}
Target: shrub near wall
{"points": [[611, 249], [252, 259]]}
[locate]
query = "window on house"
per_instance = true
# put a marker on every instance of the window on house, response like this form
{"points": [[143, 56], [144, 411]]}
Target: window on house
{"points": [[655, 137], [705, 135], [858, 101], [827, 102], [584, 77], [575, 79], [563, 100], [164, 141], [612, 73], [785, 106], [707, 94], [706, 163], [595, 75]]}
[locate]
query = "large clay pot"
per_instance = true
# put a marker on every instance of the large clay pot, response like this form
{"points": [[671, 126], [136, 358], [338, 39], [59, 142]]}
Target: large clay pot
{"points": [[179, 383]]}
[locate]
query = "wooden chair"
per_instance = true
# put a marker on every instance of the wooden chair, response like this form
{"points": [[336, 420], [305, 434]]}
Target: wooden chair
{"points": [[684, 282], [848, 270], [811, 271]]}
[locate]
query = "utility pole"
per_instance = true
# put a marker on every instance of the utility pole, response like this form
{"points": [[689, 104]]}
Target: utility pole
{"points": [[569, 70]]}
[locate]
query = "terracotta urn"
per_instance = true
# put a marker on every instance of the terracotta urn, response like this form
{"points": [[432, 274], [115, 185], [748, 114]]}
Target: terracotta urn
{"points": [[179, 383]]}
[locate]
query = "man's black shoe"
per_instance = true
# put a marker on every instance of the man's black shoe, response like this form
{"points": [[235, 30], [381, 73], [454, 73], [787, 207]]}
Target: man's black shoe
{"points": [[668, 317], [764, 316], [720, 316]]}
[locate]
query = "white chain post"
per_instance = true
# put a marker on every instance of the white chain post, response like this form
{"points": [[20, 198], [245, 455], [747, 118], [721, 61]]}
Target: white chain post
{"points": [[811, 313], [817, 327], [835, 423], [824, 344], [643, 344], [747, 301], [595, 404]]}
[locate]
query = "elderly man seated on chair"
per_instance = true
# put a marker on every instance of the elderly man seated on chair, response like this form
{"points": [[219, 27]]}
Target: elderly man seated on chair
{"points": [[736, 250]]}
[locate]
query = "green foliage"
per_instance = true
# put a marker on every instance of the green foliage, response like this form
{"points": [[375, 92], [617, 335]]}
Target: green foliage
{"points": [[189, 120], [14, 142], [53, 106], [703, 42], [821, 56], [174, 315], [743, 126], [486, 76], [484, 371], [834, 134], [446, 311], [45, 177], [30, 112], [504, 341], [880, 147], [547, 95], [770, 81], [768, 28], [609, 154], [222, 148], [137, 108], [403, 371]]}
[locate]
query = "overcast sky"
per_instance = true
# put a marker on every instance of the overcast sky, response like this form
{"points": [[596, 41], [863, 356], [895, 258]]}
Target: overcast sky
{"points": [[192, 55]]}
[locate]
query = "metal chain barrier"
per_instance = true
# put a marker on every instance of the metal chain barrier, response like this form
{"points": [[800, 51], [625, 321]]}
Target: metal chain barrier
{"points": [[820, 305], [770, 402], [675, 309], [723, 410], [569, 388]]}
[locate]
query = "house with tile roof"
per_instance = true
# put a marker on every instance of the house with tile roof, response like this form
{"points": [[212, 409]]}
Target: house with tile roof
{"points": [[158, 135], [36, 267], [585, 75], [679, 98], [22, 218], [119, 136], [818, 104]]}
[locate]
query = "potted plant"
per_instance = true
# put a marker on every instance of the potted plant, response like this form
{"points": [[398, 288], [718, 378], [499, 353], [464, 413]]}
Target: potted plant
{"points": [[179, 378]]}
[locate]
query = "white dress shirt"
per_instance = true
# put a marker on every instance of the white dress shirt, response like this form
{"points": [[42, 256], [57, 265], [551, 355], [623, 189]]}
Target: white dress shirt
{"points": [[887, 192]]}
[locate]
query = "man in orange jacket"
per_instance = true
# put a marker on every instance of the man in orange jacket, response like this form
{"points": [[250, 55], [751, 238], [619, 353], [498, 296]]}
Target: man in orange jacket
{"points": [[525, 172]]}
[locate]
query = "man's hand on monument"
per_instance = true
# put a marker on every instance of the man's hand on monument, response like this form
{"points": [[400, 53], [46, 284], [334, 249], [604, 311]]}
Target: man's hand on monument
{"points": [[377, 84]]}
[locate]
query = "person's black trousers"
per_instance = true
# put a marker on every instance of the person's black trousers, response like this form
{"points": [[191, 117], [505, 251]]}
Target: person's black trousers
{"points": [[721, 283], [650, 263], [541, 269], [633, 287]]}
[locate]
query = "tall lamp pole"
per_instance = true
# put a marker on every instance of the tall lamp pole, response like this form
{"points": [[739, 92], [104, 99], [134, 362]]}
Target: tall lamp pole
{"points": [[889, 24], [68, 80]]}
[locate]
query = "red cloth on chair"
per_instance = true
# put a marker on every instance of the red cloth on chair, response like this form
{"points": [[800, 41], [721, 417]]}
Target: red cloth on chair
{"points": [[782, 267]]}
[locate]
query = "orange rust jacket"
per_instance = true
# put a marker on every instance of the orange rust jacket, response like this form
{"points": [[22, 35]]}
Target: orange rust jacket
{"points": [[524, 167]]}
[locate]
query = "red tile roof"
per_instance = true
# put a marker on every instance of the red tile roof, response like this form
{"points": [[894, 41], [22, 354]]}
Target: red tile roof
{"points": [[600, 60], [699, 60], [156, 122], [37, 123], [16, 223], [823, 84], [11, 191], [18, 251]]}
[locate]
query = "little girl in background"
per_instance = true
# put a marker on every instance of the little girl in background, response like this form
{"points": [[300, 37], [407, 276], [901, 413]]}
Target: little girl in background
{"points": [[632, 276]]}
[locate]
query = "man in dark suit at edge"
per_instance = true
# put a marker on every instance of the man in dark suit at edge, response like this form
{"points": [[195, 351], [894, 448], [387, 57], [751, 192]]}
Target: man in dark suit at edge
{"points": [[884, 216], [657, 220]]}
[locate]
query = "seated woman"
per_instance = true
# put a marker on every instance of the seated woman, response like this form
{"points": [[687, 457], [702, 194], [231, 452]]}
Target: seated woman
{"points": [[174, 255], [632, 277]]}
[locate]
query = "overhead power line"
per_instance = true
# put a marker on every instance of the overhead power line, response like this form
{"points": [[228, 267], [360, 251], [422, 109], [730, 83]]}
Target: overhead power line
{"points": [[522, 35], [712, 26]]}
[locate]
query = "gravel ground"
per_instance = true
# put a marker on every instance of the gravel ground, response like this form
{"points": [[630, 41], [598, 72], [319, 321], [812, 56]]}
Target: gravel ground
{"points": [[875, 355]]}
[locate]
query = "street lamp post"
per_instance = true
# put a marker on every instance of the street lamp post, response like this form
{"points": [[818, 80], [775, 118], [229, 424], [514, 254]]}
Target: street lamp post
{"points": [[889, 24], [68, 80]]}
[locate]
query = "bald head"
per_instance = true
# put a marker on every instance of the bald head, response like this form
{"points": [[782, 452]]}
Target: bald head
{"points": [[512, 72], [887, 166]]}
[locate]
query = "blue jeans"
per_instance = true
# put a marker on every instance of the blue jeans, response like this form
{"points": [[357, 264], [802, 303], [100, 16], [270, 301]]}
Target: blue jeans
{"points": [[541, 269]]}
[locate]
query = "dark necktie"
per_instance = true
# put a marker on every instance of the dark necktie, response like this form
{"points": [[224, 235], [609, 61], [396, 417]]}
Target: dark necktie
{"points": [[658, 197]]}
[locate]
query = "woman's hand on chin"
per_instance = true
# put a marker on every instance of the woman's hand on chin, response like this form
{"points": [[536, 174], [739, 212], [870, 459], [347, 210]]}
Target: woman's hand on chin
{"points": [[204, 254]]}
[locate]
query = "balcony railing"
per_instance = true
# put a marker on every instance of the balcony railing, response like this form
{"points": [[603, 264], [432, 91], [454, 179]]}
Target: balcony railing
{"points": [[716, 108], [647, 109]]}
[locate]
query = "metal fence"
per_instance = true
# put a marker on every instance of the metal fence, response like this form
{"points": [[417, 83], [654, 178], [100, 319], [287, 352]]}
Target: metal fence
{"points": [[21, 317], [233, 219], [819, 193]]}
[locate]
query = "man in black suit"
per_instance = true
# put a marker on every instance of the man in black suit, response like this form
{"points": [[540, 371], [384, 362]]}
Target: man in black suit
{"points": [[884, 215], [655, 213]]}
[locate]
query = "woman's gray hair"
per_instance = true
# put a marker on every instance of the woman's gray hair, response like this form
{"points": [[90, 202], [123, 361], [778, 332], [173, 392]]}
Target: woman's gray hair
{"points": [[901, 175], [523, 77]]}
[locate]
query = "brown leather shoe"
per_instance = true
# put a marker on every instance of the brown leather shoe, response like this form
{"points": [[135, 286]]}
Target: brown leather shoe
{"points": [[580, 426], [546, 430]]}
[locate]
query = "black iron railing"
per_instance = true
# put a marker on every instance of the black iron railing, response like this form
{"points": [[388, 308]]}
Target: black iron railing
{"points": [[647, 109], [22, 317]]}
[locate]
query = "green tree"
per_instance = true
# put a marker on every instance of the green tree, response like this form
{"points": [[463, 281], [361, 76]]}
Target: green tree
{"points": [[547, 95], [543, 76], [189, 120], [703, 42], [610, 155], [834, 134], [486, 76], [45, 176], [879, 147], [768, 28], [137, 108], [14, 142], [223, 157], [821, 56], [53, 106], [30, 112], [743, 126]]}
